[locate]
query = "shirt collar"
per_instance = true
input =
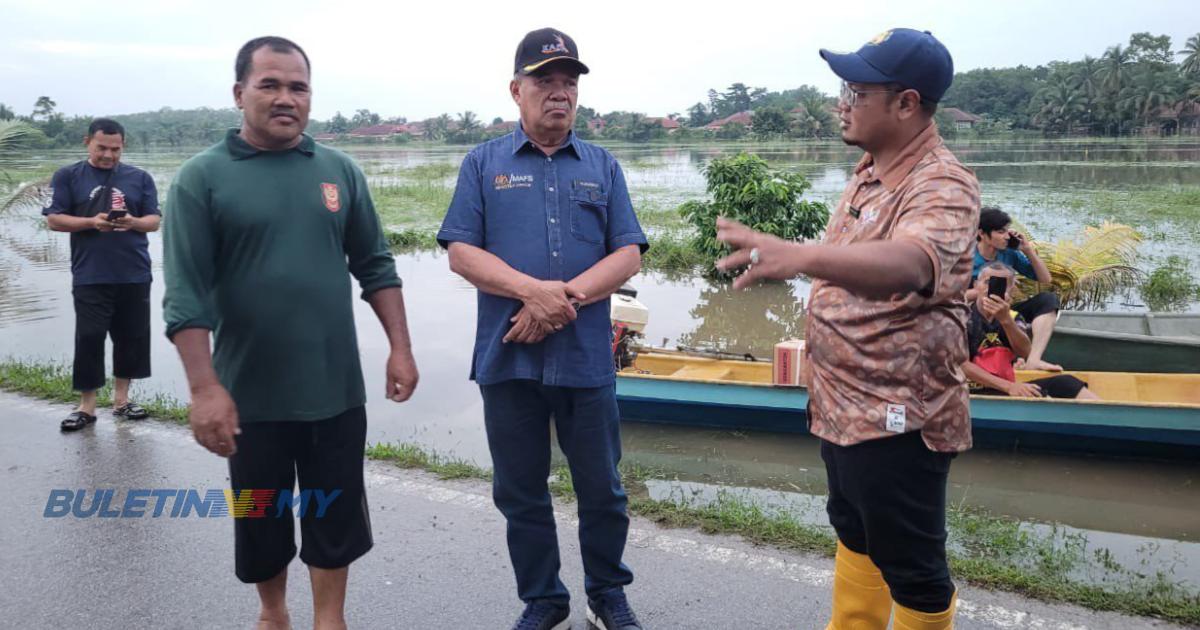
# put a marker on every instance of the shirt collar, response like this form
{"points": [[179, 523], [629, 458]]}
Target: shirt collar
{"points": [[521, 140], [240, 149], [913, 152]]}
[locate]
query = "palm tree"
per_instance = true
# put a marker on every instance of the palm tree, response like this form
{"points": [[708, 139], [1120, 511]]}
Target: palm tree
{"points": [[15, 134], [1063, 103], [467, 122], [1087, 269], [1115, 62], [1191, 59]]}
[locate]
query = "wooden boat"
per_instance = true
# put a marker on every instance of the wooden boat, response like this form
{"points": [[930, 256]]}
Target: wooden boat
{"points": [[1133, 342], [1155, 415]]}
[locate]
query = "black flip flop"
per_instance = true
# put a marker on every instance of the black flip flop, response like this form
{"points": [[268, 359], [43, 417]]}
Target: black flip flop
{"points": [[77, 420], [131, 411]]}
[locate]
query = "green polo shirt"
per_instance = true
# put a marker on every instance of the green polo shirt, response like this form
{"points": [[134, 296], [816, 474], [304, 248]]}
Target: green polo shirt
{"points": [[258, 247]]}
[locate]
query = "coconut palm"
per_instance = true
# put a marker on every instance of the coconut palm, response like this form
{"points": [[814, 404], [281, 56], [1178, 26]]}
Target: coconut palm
{"points": [[1063, 103], [15, 134], [1191, 57], [1087, 269], [1114, 69]]}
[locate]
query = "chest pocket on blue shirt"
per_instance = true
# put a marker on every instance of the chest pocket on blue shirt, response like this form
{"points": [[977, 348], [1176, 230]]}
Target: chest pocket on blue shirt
{"points": [[589, 213]]}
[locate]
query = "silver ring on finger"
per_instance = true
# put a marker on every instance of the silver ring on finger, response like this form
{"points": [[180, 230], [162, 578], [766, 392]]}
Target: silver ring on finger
{"points": [[754, 256]]}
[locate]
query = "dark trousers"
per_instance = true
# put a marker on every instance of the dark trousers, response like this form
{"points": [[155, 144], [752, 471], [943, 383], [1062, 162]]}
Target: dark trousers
{"points": [[887, 499], [121, 311], [518, 414], [1037, 306], [325, 455]]}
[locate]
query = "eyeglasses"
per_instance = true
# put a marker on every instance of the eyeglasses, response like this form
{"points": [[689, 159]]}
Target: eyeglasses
{"points": [[850, 96]]}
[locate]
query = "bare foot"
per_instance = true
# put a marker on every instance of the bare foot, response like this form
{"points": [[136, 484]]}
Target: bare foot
{"points": [[1043, 365]]}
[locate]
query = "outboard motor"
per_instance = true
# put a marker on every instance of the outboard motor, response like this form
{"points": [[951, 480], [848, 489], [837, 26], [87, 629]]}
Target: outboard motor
{"points": [[629, 317]]}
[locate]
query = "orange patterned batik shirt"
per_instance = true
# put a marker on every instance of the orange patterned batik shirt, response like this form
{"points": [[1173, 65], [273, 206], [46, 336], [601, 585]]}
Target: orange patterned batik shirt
{"points": [[881, 366]]}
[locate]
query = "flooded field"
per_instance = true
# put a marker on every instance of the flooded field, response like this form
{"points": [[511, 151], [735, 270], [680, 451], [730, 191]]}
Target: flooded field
{"points": [[1145, 514]]}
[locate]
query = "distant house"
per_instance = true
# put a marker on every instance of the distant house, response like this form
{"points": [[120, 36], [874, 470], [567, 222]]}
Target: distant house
{"points": [[962, 120], [596, 124], [742, 118], [378, 132], [325, 137], [669, 124], [414, 129], [502, 127]]}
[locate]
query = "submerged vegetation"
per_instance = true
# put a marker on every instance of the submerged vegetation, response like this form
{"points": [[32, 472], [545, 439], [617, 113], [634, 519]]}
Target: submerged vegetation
{"points": [[1170, 287]]}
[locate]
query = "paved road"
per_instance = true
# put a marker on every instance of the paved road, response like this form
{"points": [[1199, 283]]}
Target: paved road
{"points": [[438, 562]]}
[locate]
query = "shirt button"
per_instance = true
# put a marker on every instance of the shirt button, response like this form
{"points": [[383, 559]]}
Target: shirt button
{"points": [[549, 159], [554, 220], [554, 254], [551, 189]]}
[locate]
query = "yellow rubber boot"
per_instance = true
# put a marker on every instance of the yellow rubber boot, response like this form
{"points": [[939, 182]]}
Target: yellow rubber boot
{"points": [[909, 619], [861, 600]]}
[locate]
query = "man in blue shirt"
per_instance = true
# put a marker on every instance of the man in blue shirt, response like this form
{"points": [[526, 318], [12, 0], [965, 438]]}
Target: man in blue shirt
{"points": [[542, 224], [108, 207], [998, 242]]}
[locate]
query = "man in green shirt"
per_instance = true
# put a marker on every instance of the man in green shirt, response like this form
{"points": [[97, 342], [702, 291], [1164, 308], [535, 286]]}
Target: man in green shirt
{"points": [[261, 234]]}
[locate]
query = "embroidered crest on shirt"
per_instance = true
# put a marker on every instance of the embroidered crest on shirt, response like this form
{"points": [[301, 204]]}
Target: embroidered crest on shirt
{"points": [[512, 180], [333, 201]]}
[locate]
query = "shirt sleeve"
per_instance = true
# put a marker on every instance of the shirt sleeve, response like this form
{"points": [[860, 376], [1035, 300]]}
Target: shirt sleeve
{"points": [[1023, 266], [189, 254], [150, 192], [941, 217], [60, 193], [464, 217], [367, 253], [623, 228]]}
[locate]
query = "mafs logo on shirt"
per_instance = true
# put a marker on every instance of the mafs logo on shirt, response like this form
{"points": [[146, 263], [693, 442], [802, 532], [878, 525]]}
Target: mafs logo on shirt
{"points": [[512, 180]]}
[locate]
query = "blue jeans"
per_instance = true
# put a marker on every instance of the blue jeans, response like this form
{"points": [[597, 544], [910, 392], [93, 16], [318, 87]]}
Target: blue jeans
{"points": [[518, 414]]}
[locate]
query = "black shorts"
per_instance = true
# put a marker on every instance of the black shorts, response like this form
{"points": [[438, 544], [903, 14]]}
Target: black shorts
{"points": [[121, 311], [1037, 306], [1060, 386], [887, 499], [326, 456]]}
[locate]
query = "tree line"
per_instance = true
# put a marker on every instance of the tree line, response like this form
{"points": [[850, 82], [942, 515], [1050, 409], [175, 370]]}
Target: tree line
{"points": [[1142, 87]]}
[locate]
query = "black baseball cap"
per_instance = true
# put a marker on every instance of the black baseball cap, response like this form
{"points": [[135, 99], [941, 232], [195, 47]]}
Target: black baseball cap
{"points": [[912, 58], [544, 46]]}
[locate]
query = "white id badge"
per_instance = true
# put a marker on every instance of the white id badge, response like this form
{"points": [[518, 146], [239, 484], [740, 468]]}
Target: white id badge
{"points": [[895, 418]]}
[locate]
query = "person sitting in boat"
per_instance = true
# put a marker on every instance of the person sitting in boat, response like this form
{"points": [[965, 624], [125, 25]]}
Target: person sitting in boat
{"points": [[995, 342], [998, 242]]}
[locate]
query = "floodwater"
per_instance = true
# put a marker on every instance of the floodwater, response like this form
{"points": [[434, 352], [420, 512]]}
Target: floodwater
{"points": [[1145, 512]]}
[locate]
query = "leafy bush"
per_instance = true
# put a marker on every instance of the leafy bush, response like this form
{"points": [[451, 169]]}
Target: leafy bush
{"points": [[745, 188], [1170, 287]]}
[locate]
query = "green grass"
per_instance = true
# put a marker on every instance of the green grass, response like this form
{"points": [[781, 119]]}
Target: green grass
{"points": [[1170, 287], [672, 252], [418, 205], [406, 455], [411, 240], [52, 381]]}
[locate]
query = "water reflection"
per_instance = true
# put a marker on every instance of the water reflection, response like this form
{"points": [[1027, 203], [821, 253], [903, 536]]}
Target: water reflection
{"points": [[750, 321]]}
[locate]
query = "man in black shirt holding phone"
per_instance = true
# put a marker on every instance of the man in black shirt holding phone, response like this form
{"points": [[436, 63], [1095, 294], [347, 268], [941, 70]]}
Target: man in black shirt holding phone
{"points": [[995, 342], [108, 207]]}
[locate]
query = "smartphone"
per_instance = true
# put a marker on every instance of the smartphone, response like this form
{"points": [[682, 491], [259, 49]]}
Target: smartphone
{"points": [[1014, 241], [113, 215], [997, 286]]}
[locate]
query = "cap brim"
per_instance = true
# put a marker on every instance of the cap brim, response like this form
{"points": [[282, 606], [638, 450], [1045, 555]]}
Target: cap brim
{"points": [[852, 68], [534, 67]]}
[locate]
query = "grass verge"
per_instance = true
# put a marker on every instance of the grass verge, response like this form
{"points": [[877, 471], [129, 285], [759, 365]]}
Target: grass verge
{"points": [[986, 550], [52, 381]]}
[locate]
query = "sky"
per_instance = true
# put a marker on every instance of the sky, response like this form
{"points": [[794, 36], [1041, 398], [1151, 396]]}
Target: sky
{"points": [[422, 59]]}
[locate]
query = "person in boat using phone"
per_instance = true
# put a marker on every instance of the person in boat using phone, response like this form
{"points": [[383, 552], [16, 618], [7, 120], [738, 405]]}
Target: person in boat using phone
{"points": [[995, 342], [108, 207], [998, 242]]}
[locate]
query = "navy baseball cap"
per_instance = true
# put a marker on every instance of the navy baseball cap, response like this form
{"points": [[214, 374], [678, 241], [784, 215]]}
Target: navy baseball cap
{"points": [[544, 46], [914, 59]]}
